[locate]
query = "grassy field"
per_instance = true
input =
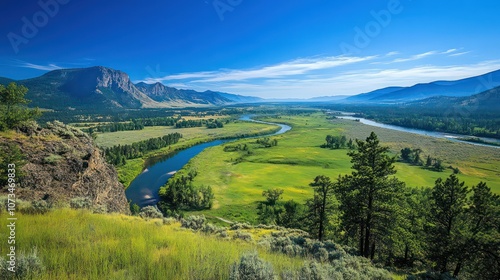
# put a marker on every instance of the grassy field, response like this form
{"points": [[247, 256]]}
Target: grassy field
{"points": [[75, 244], [297, 159], [191, 136], [200, 133]]}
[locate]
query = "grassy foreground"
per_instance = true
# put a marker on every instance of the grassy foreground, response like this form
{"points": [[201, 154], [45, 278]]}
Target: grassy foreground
{"points": [[76, 244], [292, 165], [191, 137]]}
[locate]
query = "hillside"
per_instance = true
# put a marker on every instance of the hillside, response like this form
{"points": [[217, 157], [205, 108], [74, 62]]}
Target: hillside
{"points": [[458, 88], [105, 88], [76, 244], [485, 101], [62, 164], [373, 94]]}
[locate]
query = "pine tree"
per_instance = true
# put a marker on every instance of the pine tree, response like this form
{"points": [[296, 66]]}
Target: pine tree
{"points": [[11, 111], [446, 221], [321, 207], [368, 197]]}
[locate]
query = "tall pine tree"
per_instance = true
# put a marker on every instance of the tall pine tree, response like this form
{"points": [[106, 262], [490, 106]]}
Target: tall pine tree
{"points": [[368, 197]]}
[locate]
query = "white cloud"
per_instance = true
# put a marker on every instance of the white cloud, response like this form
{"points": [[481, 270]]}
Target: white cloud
{"points": [[414, 57], [291, 68], [459, 54], [49, 67]]}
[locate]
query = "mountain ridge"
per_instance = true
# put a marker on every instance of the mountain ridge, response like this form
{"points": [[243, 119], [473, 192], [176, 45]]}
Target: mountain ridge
{"points": [[457, 88], [107, 88]]}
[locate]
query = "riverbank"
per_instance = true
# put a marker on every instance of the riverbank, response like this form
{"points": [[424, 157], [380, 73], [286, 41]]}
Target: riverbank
{"points": [[134, 167]]}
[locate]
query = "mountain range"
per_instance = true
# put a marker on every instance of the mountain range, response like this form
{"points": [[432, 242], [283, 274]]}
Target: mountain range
{"points": [[106, 88], [458, 88]]}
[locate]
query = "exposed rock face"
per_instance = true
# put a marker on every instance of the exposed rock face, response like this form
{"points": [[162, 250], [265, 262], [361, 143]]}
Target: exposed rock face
{"points": [[63, 163]]}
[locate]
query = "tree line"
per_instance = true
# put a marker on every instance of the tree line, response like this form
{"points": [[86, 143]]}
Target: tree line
{"points": [[211, 123], [134, 124], [117, 155], [449, 229]]}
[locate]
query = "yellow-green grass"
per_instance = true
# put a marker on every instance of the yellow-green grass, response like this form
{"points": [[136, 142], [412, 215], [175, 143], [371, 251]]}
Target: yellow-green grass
{"points": [[297, 159], [75, 244], [191, 136]]}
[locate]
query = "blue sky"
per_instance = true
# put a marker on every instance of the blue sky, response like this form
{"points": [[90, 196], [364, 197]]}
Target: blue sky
{"points": [[270, 49]]}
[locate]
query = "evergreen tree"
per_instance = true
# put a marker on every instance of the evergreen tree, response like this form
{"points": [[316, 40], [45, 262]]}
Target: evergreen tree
{"points": [[321, 207], [447, 221], [368, 197], [12, 111], [10, 154]]}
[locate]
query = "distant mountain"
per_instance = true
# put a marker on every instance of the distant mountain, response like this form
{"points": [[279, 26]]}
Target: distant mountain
{"points": [[161, 93], [327, 98], [459, 88], [485, 101], [373, 94], [105, 88]]}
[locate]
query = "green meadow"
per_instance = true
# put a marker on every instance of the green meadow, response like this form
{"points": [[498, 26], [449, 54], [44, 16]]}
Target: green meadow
{"points": [[238, 178]]}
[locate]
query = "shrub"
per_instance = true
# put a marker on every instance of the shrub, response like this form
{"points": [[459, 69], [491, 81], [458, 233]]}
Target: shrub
{"points": [[100, 209], [237, 226], [243, 236], [193, 222], [37, 207], [251, 267], [134, 208], [80, 203], [28, 266], [52, 159], [169, 221], [150, 212]]}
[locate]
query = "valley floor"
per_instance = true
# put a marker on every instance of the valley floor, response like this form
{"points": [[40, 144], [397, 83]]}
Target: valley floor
{"points": [[238, 178]]}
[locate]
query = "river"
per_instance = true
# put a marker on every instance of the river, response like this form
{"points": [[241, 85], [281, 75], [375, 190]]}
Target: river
{"points": [[450, 136], [143, 190]]}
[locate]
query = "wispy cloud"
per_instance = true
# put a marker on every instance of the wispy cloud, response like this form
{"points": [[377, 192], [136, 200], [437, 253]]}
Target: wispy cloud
{"points": [[291, 68], [414, 57], [459, 54], [449, 51], [48, 67]]}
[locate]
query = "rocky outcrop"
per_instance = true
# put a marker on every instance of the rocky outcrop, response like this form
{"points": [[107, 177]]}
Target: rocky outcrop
{"points": [[62, 163]]}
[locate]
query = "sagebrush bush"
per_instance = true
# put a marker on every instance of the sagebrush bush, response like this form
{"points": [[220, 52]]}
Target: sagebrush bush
{"points": [[246, 236], [169, 221], [28, 266], [37, 207], [100, 209], [251, 267], [150, 212], [193, 222], [52, 159], [237, 226], [80, 203]]}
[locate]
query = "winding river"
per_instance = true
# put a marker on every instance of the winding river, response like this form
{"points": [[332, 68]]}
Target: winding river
{"points": [[143, 190], [450, 136]]}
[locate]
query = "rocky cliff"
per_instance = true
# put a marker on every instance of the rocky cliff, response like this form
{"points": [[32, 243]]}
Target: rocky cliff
{"points": [[62, 163]]}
